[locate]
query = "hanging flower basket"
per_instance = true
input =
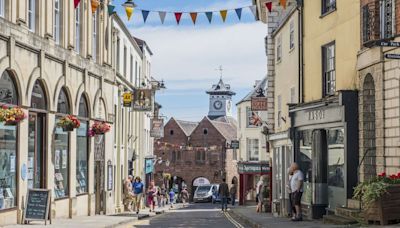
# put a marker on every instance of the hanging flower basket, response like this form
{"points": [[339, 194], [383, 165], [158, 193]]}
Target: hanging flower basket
{"points": [[69, 123], [99, 128], [11, 115]]}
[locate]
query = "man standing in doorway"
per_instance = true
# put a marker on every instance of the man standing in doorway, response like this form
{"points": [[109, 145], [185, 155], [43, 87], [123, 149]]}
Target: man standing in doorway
{"points": [[224, 194], [296, 185]]}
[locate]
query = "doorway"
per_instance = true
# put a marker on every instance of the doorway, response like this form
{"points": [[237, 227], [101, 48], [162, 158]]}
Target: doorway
{"points": [[99, 174]]}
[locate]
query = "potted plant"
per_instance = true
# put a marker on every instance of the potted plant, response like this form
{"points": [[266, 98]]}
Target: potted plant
{"points": [[99, 128], [69, 123], [11, 115], [380, 197]]}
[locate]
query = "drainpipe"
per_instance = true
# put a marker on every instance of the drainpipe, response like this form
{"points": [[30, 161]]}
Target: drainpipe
{"points": [[300, 4]]}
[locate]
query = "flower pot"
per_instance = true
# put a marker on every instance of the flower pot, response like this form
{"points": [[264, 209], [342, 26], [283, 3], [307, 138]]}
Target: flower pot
{"points": [[67, 128], [11, 123]]}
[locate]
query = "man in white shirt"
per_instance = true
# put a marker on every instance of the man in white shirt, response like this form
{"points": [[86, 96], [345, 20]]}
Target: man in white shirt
{"points": [[296, 185], [259, 197]]}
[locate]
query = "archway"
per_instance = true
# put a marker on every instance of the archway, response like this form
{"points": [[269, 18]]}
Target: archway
{"points": [[369, 132]]}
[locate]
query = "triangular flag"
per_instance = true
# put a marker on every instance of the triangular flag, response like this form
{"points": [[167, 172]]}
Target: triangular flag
{"points": [[162, 16], [209, 16], [76, 3], [178, 16], [129, 12], [283, 3], [239, 13], [145, 14], [254, 10], [194, 17], [110, 9], [223, 14], [269, 6]]}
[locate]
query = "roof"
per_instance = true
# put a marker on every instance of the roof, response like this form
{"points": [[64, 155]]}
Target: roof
{"points": [[187, 126], [122, 25], [143, 44], [253, 93], [228, 130], [221, 88]]}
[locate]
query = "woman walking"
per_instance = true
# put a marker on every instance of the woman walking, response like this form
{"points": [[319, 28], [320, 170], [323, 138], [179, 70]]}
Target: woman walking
{"points": [[151, 196], [137, 187]]}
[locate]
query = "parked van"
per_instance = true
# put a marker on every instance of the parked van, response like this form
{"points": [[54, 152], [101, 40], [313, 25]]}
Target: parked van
{"points": [[204, 193]]}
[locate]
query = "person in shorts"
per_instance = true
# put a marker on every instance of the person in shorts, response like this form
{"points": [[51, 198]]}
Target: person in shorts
{"points": [[152, 196], [296, 186], [137, 187], [171, 197]]}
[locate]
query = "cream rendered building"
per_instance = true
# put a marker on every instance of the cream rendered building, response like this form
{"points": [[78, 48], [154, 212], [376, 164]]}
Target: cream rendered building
{"points": [[57, 60]]}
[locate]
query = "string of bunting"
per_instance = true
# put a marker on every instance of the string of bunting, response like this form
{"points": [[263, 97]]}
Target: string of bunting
{"points": [[166, 145]]}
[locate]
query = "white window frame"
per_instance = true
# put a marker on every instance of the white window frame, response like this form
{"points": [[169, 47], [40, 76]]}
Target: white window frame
{"points": [[32, 15], [125, 61], [118, 54], [279, 49], [57, 21], [291, 38], [2, 8], [253, 149], [329, 69], [78, 28], [94, 37], [131, 68]]}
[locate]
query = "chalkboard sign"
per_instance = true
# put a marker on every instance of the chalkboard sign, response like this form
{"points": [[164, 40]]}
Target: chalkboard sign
{"points": [[37, 205]]}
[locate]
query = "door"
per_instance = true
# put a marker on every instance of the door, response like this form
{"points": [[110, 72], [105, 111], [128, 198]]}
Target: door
{"points": [[99, 173], [36, 151]]}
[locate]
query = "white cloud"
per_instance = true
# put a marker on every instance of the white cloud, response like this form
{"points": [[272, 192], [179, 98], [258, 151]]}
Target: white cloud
{"points": [[188, 55]]}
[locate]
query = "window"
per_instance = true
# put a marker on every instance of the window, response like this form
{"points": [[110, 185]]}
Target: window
{"points": [[279, 105], [82, 146], [329, 72], [291, 40], [8, 147], [171, 132], [240, 117], [279, 49], [2, 8], [386, 18], [200, 156], [118, 53], [136, 74], [94, 38], [78, 28], [57, 21], [125, 53], [252, 149], [336, 165], [205, 131], [253, 119], [32, 15], [131, 67], [328, 6]]}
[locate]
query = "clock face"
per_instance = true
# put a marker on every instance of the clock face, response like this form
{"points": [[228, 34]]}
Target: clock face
{"points": [[218, 105]]}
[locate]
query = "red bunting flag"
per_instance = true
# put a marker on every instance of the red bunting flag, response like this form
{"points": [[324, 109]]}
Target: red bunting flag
{"points": [[76, 3], [269, 6], [283, 3], [178, 16], [194, 17]]}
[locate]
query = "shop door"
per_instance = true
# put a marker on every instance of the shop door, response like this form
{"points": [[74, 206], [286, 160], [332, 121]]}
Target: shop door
{"points": [[36, 172], [99, 174]]}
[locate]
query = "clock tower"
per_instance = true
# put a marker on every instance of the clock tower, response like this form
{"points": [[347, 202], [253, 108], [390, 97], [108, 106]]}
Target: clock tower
{"points": [[220, 100]]}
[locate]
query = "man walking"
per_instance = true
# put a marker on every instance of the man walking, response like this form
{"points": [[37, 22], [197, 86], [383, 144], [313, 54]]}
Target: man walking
{"points": [[233, 191], [296, 185], [224, 194]]}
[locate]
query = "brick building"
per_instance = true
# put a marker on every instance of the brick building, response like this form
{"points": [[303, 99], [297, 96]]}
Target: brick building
{"points": [[190, 150]]}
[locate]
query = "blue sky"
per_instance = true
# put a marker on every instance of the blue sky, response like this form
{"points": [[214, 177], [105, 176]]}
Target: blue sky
{"points": [[187, 56]]}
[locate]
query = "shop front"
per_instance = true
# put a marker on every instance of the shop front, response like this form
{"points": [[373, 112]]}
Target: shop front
{"points": [[249, 174], [325, 136]]}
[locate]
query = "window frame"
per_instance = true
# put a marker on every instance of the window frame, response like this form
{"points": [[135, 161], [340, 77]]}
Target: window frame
{"points": [[279, 49], [2, 8], [327, 85], [253, 145], [31, 9], [85, 119], [95, 20], [78, 29], [57, 21], [131, 69], [125, 61], [291, 35], [118, 59], [328, 8], [279, 115]]}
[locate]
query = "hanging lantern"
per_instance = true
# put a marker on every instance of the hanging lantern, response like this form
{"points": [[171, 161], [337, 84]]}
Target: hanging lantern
{"points": [[129, 7], [95, 5]]}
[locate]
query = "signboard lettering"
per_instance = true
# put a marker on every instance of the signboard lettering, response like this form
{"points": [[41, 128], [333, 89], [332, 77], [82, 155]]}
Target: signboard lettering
{"points": [[37, 205], [142, 100], [244, 168], [157, 128], [389, 44], [127, 99], [235, 144], [316, 115], [259, 104], [392, 56]]}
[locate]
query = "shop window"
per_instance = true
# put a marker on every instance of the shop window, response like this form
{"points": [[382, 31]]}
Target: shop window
{"points": [[305, 163], [82, 148], [253, 149], [61, 150], [336, 165], [8, 147]]}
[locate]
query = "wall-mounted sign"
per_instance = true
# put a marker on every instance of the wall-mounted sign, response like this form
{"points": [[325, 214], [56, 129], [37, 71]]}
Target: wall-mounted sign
{"points": [[200, 181], [245, 168], [388, 44], [149, 166], [235, 144], [259, 104], [142, 100], [127, 99], [392, 56], [157, 128]]}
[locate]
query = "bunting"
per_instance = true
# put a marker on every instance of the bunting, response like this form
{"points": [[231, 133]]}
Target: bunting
{"points": [[269, 6], [76, 3], [253, 9], [283, 3], [178, 16], [145, 14], [223, 13], [193, 15], [129, 12], [162, 16], [209, 16], [110, 9], [239, 13]]}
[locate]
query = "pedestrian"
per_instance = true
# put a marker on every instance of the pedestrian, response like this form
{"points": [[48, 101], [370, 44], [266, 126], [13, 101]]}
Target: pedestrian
{"points": [[259, 198], [138, 186], [296, 185], [163, 193], [224, 194], [128, 194], [151, 196], [291, 209], [184, 196], [171, 197], [233, 192]]}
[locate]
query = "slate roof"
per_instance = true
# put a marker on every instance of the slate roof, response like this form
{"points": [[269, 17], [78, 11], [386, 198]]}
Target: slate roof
{"points": [[260, 84], [228, 130], [187, 126]]}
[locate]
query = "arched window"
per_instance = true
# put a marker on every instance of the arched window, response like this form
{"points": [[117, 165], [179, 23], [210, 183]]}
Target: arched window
{"points": [[8, 147], [38, 99], [61, 149], [82, 148]]}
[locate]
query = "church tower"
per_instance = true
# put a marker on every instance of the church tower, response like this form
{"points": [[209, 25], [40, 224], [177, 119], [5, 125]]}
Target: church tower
{"points": [[220, 100]]}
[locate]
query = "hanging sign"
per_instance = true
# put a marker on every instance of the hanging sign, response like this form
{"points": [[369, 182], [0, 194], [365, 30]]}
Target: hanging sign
{"points": [[388, 44], [259, 104], [127, 99], [38, 205], [235, 144], [142, 100], [157, 128], [148, 166], [392, 56]]}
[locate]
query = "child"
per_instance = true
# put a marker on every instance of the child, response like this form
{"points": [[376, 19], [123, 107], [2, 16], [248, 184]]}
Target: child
{"points": [[171, 197]]}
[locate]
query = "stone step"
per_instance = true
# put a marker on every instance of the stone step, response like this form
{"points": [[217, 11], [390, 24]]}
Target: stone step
{"points": [[352, 203], [347, 212], [338, 220]]}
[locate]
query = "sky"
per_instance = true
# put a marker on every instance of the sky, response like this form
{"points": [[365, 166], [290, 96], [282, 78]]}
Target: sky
{"points": [[186, 56]]}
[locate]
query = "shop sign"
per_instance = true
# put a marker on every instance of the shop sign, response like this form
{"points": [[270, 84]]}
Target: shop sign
{"points": [[388, 44], [200, 181], [235, 144], [148, 166], [392, 56], [127, 99], [157, 128], [38, 205], [244, 168], [259, 104], [142, 100]]}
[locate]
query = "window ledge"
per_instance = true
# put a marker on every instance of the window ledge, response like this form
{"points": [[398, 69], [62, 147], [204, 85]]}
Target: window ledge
{"points": [[327, 13]]}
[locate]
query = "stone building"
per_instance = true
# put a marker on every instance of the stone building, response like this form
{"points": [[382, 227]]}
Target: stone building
{"points": [[192, 150]]}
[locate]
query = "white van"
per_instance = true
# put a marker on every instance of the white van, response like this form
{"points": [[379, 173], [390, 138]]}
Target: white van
{"points": [[204, 193]]}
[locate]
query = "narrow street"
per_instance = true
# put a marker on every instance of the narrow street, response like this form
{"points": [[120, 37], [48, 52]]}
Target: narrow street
{"points": [[195, 215]]}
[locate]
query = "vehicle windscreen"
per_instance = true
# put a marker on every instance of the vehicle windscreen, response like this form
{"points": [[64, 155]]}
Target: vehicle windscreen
{"points": [[203, 188]]}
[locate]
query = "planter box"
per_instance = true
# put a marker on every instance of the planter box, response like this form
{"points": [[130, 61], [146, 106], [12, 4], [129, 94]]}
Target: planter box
{"points": [[386, 209]]}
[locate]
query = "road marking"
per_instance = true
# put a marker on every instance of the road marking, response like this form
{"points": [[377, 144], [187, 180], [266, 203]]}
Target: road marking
{"points": [[233, 221]]}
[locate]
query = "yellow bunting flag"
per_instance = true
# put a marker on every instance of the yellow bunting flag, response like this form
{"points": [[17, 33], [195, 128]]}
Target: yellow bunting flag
{"points": [[194, 17], [129, 12], [283, 3], [223, 14]]}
